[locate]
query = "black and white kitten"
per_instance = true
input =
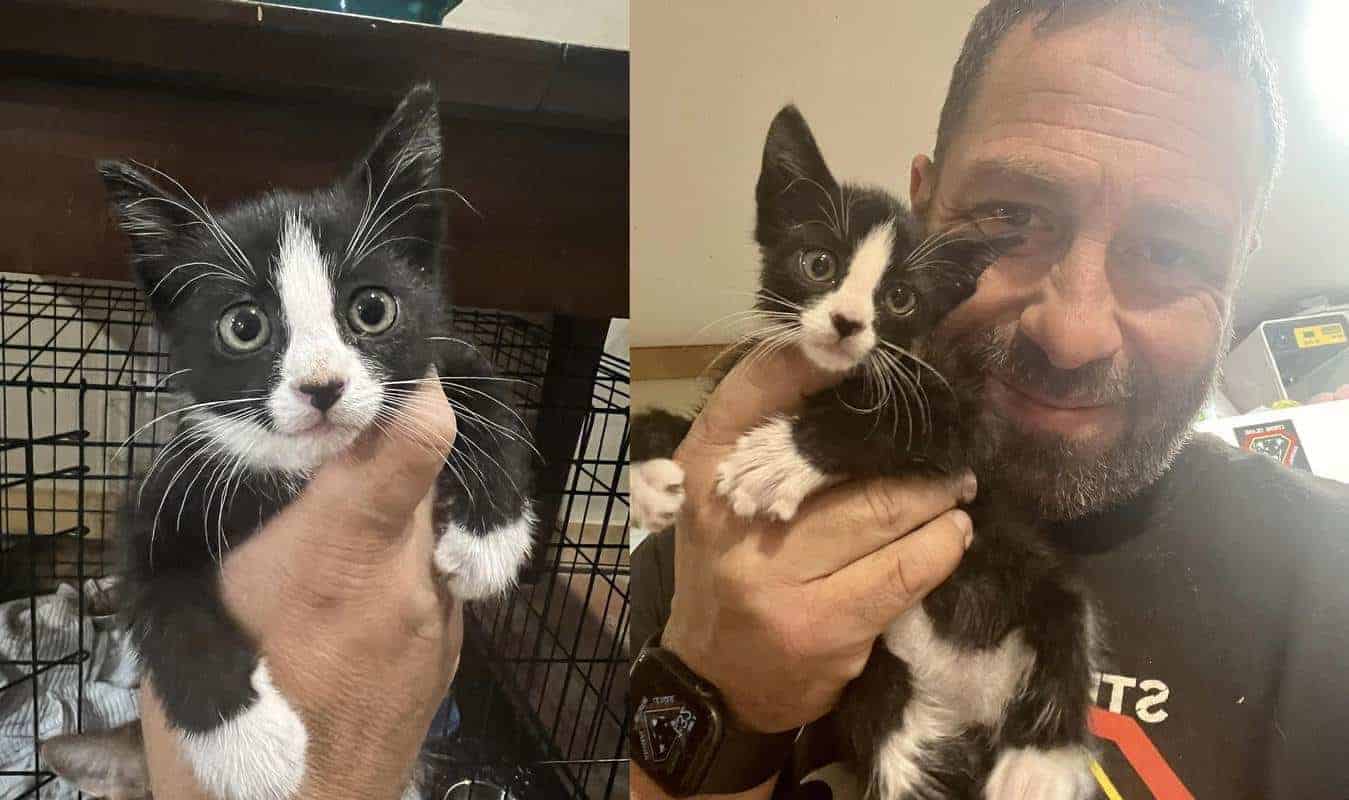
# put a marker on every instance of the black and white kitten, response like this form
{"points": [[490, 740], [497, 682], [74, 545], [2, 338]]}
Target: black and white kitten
{"points": [[982, 689], [296, 322]]}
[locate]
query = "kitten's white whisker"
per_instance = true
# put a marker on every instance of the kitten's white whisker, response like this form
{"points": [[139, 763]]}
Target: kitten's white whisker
{"points": [[365, 211], [160, 383], [205, 215], [222, 271], [183, 410], [948, 236]]}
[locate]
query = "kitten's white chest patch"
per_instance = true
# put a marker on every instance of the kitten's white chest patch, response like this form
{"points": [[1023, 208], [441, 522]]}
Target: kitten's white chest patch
{"points": [[975, 685], [257, 755], [953, 688]]}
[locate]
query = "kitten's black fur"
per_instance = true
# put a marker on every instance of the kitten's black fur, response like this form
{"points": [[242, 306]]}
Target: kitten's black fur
{"points": [[175, 530], [1010, 580]]}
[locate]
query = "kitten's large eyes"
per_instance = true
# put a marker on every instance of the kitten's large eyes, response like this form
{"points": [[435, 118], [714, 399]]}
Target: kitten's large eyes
{"points": [[819, 265], [901, 301], [244, 328], [372, 311]]}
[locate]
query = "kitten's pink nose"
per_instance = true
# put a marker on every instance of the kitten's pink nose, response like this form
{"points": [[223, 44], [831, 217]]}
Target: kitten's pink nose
{"points": [[323, 395], [846, 327]]}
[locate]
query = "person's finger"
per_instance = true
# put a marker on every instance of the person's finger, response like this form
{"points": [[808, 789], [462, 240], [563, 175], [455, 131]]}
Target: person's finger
{"points": [[1342, 393], [881, 586], [842, 525], [756, 388], [389, 470]]}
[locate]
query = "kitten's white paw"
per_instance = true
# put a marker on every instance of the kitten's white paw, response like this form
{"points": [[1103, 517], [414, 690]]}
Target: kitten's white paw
{"points": [[1034, 774], [767, 474], [486, 565], [257, 755], [657, 493]]}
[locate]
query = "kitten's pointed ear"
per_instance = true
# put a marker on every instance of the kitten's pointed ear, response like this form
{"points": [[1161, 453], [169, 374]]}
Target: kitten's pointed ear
{"points": [[151, 216], [794, 181], [401, 173], [107, 763]]}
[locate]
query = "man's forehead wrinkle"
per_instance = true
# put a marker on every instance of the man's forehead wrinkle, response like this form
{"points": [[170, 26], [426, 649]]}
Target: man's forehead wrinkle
{"points": [[1147, 113], [1105, 108], [1017, 164], [1142, 132]]}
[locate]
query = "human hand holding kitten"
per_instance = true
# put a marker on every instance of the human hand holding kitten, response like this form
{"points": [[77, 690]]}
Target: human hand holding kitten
{"points": [[357, 628]]}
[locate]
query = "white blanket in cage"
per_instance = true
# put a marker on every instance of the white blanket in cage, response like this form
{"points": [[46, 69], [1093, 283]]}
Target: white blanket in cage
{"points": [[111, 676]]}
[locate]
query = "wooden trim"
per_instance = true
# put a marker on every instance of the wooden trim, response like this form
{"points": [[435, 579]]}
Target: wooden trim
{"points": [[301, 54], [673, 363]]}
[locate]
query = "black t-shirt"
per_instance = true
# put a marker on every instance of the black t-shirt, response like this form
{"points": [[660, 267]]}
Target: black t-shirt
{"points": [[1224, 596]]}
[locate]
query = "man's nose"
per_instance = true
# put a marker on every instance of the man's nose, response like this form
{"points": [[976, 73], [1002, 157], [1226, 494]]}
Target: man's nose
{"points": [[1073, 318]]}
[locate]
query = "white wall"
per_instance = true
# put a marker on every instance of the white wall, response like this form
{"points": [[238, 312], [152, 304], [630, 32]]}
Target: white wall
{"points": [[870, 76], [708, 76]]}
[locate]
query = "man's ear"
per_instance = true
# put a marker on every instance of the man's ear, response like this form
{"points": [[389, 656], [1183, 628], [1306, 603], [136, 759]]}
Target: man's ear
{"points": [[922, 184], [107, 763], [400, 174]]}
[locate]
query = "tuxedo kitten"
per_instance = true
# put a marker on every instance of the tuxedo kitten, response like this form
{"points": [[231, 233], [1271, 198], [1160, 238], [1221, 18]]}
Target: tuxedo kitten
{"points": [[296, 322], [982, 689]]}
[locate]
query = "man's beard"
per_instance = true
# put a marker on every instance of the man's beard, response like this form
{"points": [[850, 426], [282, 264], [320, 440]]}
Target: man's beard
{"points": [[1049, 474]]}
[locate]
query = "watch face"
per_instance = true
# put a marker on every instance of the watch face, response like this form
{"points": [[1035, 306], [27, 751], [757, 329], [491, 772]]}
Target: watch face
{"points": [[676, 727], [663, 725]]}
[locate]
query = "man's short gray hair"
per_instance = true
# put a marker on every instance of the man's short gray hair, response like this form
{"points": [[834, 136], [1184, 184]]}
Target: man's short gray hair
{"points": [[1230, 25]]}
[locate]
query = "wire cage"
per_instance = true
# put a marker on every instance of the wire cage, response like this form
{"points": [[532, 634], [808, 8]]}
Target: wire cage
{"points": [[538, 706]]}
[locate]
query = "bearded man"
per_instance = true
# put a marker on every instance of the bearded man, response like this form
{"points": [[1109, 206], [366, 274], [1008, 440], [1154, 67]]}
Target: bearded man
{"points": [[1131, 145]]}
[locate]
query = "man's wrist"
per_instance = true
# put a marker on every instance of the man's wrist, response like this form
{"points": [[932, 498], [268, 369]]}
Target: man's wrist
{"points": [[742, 710]]}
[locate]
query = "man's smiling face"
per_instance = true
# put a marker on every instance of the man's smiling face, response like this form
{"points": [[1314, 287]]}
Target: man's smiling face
{"points": [[1129, 157]]}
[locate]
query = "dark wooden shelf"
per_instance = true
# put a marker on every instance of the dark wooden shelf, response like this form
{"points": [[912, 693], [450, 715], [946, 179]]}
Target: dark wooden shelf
{"points": [[235, 97]]}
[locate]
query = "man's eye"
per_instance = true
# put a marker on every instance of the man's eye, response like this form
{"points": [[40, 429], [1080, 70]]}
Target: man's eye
{"points": [[1003, 219], [1170, 255]]}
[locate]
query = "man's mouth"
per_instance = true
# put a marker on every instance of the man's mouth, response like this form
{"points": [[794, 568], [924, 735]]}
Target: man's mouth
{"points": [[1067, 417]]}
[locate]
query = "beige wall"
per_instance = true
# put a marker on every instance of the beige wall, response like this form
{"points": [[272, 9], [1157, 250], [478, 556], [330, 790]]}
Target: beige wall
{"points": [[870, 77], [708, 76]]}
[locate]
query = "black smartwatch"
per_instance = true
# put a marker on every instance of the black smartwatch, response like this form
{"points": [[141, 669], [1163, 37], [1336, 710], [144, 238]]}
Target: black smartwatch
{"points": [[682, 737]]}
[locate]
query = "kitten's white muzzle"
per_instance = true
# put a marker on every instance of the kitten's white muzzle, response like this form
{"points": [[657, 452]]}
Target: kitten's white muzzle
{"points": [[824, 346]]}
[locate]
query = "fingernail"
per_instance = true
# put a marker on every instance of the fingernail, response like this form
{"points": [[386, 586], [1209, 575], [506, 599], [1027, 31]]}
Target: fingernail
{"points": [[963, 523], [969, 487]]}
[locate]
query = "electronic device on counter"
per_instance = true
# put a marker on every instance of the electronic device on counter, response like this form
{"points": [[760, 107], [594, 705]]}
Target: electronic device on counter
{"points": [[1289, 359]]}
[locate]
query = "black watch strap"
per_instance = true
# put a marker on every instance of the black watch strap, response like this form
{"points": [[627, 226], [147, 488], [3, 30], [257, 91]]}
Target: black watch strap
{"points": [[739, 759], [747, 759]]}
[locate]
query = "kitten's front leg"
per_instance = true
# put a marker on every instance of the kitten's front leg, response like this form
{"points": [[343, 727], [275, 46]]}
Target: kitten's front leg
{"points": [[242, 739], [484, 514], [1044, 752], [768, 473]]}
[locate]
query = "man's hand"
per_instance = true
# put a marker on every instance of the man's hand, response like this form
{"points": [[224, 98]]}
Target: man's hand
{"points": [[357, 629], [781, 617]]}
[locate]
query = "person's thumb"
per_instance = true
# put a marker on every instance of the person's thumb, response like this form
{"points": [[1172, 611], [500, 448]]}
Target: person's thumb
{"points": [[388, 472]]}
